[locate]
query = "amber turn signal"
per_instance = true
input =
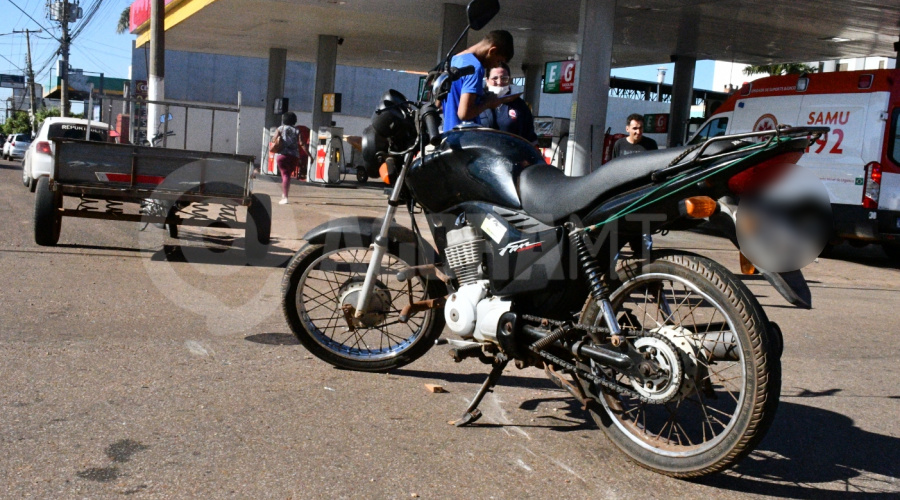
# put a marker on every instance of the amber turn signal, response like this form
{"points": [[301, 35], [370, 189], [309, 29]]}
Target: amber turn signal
{"points": [[383, 172], [747, 267], [698, 207]]}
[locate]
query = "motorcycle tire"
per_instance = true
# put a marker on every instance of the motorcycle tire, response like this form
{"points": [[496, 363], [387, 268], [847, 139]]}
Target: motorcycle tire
{"points": [[731, 380], [315, 285]]}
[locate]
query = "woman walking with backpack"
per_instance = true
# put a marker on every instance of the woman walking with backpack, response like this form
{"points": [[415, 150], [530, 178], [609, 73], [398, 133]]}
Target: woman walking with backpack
{"points": [[287, 152]]}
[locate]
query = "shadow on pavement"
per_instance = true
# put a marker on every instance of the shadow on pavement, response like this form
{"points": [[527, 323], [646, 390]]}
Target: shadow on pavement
{"points": [[220, 251], [478, 378], [273, 339], [808, 447]]}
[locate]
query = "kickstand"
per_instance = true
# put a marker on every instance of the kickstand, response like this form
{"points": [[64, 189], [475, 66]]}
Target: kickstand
{"points": [[472, 412]]}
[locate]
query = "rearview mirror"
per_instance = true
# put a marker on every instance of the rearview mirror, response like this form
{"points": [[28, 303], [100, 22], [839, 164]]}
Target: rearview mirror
{"points": [[480, 12]]}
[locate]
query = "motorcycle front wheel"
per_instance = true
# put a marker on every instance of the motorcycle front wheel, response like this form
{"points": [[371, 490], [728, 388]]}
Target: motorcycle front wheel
{"points": [[731, 380], [318, 284]]}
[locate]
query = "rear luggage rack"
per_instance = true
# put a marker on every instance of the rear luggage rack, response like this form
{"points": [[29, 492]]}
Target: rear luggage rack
{"points": [[772, 136]]}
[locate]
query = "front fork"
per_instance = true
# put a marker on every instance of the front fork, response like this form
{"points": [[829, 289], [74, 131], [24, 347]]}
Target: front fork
{"points": [[379, 246]]}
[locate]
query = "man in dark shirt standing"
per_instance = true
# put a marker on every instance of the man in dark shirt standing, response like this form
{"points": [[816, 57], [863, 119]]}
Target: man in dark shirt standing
{"points": [[635, 142]]}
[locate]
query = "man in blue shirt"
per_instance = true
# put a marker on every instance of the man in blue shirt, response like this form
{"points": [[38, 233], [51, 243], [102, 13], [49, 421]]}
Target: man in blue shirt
{"points": [[466, 98]]}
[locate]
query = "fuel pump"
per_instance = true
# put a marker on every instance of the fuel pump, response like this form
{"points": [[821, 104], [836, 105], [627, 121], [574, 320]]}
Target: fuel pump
{"points": [[329, 165], [553, 134]]}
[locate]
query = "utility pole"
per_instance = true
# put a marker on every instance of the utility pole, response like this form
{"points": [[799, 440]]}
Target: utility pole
{"points": [[30, 74], [64, 69], [156, 89], [64, 13]]}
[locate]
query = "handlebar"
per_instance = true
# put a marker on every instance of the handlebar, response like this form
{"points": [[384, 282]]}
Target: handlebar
{"points": [[457, 73]]}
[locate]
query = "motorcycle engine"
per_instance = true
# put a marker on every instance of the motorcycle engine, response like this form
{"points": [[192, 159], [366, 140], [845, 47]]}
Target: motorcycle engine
{"points": [[470, 312], [464, 254]]}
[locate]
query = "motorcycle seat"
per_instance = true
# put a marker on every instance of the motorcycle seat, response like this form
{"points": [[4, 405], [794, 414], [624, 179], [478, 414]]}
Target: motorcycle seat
{"points": [[550, 196]]}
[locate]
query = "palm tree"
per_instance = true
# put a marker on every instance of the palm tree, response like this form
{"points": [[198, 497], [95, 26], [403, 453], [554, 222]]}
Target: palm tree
{"points": [[780, 69], [124, 17]]}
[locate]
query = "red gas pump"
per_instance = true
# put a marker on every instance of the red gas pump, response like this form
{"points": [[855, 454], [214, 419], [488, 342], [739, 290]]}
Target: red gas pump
{"points": [[609, 140]]}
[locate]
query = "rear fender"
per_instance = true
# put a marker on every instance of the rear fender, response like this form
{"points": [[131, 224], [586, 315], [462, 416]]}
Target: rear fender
{"points": [[791, 285]]}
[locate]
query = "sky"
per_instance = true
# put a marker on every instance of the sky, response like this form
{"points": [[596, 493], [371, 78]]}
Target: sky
{"points": [[98, 48]]}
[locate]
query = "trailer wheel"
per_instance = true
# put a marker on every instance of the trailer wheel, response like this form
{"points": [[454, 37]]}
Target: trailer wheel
{"points": [[47, 219], [172, 228], [259, 227]]}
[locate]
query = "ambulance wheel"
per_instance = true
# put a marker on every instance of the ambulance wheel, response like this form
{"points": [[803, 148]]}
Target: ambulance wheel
{"points": [[361, 175], [892, 250]]}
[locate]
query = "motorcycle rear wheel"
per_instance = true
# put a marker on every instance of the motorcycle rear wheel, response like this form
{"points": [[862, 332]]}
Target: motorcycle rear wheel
{"points": [[732, 380], [317, 283]]}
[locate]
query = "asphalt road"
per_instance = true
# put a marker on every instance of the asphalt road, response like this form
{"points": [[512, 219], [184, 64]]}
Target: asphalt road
{"points": [[123, 372]]}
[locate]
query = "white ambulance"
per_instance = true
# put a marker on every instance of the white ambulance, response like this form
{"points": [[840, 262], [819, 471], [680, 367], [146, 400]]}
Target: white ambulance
{"points": [[858, 161]]}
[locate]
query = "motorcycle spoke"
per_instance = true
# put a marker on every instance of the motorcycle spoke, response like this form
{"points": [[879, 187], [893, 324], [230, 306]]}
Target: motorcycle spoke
{"points": [[698, 327], [337, 274]]}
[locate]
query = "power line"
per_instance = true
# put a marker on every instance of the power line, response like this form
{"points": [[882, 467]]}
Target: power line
{"points": [[14, 64], [33, 19]]}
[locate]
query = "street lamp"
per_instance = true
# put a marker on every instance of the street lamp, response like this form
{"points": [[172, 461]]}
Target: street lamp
{"points": [[660, 77]]}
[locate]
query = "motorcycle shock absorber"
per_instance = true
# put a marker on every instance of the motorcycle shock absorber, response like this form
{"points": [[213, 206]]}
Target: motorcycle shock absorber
{"points": [[596, 282]]}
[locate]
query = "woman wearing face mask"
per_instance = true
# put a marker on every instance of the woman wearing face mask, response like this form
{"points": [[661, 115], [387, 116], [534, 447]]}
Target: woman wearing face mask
{"points": [[514, 117]]}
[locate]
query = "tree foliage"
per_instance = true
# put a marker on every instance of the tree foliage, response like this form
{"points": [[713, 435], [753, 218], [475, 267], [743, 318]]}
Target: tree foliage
{"points": [[124, 19], [19, 123], [780, 69]]}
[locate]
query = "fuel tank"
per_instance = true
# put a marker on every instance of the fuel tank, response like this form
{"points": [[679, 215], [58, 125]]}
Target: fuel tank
{"points": [[472, 165]]}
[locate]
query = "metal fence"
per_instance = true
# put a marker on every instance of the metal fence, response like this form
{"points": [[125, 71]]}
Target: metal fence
{"points": [[140, 132]]}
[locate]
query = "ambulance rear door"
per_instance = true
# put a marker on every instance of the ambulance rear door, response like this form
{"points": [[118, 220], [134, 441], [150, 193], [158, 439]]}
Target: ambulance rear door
{"points": [[889, 197]]}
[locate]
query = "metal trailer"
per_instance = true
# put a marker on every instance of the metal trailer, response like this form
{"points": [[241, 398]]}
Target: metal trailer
{"points": [[161, 186]]}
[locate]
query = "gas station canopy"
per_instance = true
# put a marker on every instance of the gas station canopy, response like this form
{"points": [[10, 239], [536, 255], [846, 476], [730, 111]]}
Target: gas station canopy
{"points": [[404, 34]]}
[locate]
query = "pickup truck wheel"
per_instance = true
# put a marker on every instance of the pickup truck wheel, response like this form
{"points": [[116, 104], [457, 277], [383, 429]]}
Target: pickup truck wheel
{"points": [[47, 219], [259, 227]]}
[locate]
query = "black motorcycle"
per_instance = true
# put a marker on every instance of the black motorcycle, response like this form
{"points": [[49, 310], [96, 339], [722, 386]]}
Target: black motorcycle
{"points": [[670, 353]]}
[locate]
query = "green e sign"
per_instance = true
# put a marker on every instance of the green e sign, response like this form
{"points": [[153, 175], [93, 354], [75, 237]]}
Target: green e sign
{"points": [[559, 77]]}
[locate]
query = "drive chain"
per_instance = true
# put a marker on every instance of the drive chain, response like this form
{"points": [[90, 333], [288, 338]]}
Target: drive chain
{"points": [[599, 380]]}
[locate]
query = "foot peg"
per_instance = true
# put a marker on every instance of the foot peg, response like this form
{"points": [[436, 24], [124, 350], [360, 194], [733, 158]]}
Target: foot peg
{"points": [[460, 353]]}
